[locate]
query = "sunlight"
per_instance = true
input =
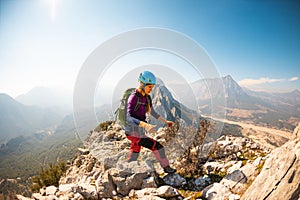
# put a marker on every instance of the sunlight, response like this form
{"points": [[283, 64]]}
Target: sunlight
{"points": [[53, 7]]}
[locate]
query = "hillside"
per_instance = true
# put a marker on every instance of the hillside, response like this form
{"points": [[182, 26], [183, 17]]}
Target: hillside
{"points": [[17, 119], [24, 155], [32, 137]]}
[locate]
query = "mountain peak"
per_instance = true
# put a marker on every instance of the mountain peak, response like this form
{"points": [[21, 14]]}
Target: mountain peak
{"points": [[296, 92], [228, 77], [159, 81], [232, 87]]}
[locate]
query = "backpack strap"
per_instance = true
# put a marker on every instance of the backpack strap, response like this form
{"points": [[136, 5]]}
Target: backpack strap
{"points": [[139, 102]]}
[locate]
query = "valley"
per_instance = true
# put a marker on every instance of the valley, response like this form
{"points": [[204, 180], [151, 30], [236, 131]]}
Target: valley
{"points": [[269, 137]]}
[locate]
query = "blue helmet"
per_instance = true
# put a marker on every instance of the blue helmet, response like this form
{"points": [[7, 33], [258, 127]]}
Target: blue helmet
{"points": [[147, 77]]}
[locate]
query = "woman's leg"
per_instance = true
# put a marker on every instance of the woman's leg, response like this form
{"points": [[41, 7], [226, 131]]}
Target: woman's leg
{"points": [[135, 148], [157, 149]]}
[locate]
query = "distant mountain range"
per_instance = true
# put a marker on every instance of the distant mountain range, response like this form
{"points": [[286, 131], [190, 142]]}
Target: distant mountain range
{"points": [[17, 119], [46, 97], [280, 110]]}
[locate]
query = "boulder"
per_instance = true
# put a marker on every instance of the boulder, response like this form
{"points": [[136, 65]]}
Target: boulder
{"points": [[174, 180], [163, 192], [37, 196], [105, 186], [235, 167], [83, 151], [51, 190], [121, 180], [167, 192], [68, 188], [202, 182], [146, 193], [216, 191], [149, 183], [238, 180]]}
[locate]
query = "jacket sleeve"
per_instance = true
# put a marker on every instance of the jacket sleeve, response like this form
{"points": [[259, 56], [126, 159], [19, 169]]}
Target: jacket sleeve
{"points": [[132, 101]]}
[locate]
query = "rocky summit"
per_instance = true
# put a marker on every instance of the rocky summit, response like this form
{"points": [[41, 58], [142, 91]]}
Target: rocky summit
{"points": [[233, 168]]}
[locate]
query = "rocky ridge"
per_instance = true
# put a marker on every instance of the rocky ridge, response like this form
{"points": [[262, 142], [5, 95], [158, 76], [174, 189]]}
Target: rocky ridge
{"points": [[279, 179], [234, 168]]}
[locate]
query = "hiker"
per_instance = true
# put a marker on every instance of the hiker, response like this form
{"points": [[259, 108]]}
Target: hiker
{"points": [[137, 124]]}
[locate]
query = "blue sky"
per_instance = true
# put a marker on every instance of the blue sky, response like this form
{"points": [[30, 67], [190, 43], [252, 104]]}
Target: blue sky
{"points": [[45, 42]]}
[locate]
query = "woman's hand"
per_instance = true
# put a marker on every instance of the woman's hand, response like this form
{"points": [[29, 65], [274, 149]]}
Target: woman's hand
{"points": [[169, 123], [149, 127]]}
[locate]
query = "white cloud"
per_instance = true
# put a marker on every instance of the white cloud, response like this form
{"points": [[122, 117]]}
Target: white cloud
{"points": [[249, 82], [293, 78]]}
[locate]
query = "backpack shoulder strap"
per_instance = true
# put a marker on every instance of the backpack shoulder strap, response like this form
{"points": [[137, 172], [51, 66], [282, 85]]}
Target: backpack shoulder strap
{"points": [[138, 101]]}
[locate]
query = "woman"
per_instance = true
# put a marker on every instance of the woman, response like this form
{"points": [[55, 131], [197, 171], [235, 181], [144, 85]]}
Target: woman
{"points": [[139, 104]]}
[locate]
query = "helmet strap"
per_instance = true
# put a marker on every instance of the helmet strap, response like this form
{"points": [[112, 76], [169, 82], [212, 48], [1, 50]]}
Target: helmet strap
{"points": [[143, 88]]}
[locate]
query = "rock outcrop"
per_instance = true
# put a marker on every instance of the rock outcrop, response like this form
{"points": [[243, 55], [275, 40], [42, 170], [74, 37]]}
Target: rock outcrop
{"points": [[279, 178]]}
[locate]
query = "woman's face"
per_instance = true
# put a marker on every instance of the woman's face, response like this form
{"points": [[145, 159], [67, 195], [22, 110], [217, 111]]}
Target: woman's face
{"points": [[148, 88]]}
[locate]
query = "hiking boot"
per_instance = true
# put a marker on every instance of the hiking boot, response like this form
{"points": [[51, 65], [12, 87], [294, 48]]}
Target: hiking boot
{"points": [[169, 170]]}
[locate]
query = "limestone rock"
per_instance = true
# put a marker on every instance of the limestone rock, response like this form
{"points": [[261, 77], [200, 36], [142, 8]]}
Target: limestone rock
{"points": [[67, 188], [212, 166], [37, 196], [174, 180], [149, 183], [105, 186], [146, 193], [121, 180], [216, 191], [235, 167], [51, 190], [167, 192], [279, 178], [83, 151]]}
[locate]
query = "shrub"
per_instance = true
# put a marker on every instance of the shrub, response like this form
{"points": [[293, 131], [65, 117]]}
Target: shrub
{"points": [[103, 126], [48, 176]]}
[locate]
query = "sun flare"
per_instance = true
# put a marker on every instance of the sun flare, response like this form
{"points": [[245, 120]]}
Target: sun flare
{"points": [[53, 8]]}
